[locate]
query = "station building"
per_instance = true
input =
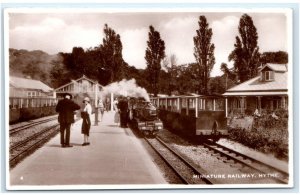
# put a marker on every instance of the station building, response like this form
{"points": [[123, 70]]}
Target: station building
{"points": [[266, 92], [28, 88], [80, 88], [29, 99]]}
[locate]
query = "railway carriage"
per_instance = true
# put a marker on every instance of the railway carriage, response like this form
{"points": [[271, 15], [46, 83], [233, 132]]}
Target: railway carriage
{"points": [[195, 117], [23, 109]]}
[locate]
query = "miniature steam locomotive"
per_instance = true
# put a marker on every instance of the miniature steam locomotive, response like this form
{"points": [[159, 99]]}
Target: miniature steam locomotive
{"points": [[144, 117]]}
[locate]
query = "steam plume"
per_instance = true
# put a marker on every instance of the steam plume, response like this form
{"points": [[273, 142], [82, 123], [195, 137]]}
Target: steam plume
{"points": [[127, 88]]}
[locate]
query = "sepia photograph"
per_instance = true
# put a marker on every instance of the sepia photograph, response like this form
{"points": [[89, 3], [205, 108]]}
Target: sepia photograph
{"points": [[108, 98]]}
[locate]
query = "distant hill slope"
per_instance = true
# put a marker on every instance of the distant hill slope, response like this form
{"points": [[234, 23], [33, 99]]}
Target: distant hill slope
{"points": [[35, 64]]}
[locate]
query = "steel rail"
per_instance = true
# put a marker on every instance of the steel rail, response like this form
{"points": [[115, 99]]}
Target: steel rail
{"points": [[32, 146], [32, 137], [243, 162], [181, 177], [32, 124], [198, 171]]}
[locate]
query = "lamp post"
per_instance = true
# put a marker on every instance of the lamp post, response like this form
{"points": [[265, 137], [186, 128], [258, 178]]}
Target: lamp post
{"points": [[96, 104]]}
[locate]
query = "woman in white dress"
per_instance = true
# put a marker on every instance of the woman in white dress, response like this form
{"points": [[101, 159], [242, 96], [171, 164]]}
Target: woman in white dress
{"points": [[116, 109]]}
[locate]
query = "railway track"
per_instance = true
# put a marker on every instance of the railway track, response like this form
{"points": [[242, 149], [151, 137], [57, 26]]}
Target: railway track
{"points": [[20, 150], [31, 124], [265, 170], [186, 171]]}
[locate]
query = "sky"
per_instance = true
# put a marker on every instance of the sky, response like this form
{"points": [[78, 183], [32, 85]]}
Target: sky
{"points": [[60, 31]]}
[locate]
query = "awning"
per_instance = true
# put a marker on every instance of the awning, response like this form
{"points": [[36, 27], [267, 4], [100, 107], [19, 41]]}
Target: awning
{"points": [[256, 93]]}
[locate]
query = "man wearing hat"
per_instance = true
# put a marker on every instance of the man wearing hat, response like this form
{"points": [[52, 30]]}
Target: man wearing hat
{"points": [[66, 108]]}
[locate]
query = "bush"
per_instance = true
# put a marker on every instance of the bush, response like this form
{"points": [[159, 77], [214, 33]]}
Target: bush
{"points": [[282, 113], [268, 136], [249, 112]]}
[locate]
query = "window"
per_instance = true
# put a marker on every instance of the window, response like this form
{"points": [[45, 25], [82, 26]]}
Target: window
{"points": [[31, 93], [269, 75]]}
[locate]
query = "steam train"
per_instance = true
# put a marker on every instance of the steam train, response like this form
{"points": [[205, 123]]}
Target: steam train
{"points": [[196, 117], [144, 117]]}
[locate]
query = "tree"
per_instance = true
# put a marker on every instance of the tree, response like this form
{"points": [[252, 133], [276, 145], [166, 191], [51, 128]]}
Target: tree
{"points": [[204, 54], [219, 84], [172, 71], [279, 57], [74, 62], [230, 73], [187, 78], [78, 61], [32, 70], [58, 74], [111, 54], [155, 53], [246, 55]]}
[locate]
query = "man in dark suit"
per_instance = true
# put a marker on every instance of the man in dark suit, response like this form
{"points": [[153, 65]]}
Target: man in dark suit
{"points": [[123, 107], [66, 108]]}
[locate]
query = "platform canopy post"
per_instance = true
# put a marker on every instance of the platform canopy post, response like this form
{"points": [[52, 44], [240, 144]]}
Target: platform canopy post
{"points": [[226, 107], [111, 101], [187, 106], [196, 107], [96, 104], [178, 105], [214, 100], [259, 103]]}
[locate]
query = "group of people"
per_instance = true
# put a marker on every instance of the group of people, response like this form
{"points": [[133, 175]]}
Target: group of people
{"points": [[66, 109]]}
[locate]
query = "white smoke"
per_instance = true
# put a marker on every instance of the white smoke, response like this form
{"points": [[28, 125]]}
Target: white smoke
{"points": [[127, 88]]}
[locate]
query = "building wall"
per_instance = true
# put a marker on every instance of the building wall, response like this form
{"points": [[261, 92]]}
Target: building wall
{"points": [[251, 104], [16, 92]]}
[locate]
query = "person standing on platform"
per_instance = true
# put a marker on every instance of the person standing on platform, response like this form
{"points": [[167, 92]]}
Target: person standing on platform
{"points": [[101, 108], [123, 107], [86, 121], [116, 109], [107, 104], [66, 108]]}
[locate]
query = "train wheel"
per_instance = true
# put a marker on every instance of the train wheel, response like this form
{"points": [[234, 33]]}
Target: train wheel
{"points": [[147, 134], [153, 134]]}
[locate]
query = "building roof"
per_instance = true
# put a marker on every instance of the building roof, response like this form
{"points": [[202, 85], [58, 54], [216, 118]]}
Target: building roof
{"points": [[275, 67], [76, 81], [255, 86], [26, 83]]}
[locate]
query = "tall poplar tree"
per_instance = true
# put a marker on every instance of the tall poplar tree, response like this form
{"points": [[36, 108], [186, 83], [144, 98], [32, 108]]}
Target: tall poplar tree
{"points": [[246, 55], [204, 54], [111, 54], [155, 53]]}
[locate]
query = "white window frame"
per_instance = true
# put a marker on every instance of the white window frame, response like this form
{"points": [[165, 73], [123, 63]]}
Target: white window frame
{"points": [[268, 76]]}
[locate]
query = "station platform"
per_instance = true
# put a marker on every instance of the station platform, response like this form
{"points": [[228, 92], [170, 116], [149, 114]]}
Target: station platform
{"points": [[115, 156]]}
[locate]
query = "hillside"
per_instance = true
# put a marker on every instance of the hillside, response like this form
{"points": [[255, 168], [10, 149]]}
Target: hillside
{"points": [[35, 64]]}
